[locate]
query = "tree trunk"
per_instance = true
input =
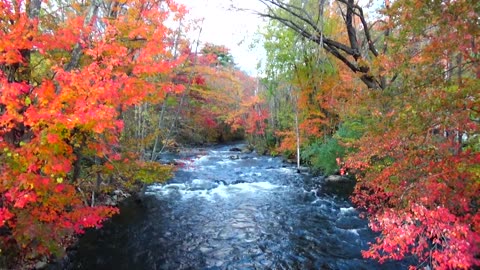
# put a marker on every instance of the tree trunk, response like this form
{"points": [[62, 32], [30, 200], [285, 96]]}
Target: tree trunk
{"points": [[77, 49]]}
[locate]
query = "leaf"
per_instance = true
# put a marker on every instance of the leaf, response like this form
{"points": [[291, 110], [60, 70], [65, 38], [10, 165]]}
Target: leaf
{"points": [[28, 101]]}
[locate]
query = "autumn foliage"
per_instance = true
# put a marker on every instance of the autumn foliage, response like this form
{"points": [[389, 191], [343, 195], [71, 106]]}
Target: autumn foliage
{"points": [[66, 76], [407, 117], [220, 102], [419, 156]]}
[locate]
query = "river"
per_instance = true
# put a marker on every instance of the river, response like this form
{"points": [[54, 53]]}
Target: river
{"points": [[231, 210]]}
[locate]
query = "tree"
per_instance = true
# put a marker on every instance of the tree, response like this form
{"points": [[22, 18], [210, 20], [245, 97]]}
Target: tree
{"points": [[305, 17], [417, 161], [415, 142], [303, 83], [215, 110], [68, 71], [220, 55]]}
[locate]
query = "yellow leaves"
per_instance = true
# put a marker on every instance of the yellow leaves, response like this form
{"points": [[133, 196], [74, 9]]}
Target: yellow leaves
{"points": [[28, 101]]}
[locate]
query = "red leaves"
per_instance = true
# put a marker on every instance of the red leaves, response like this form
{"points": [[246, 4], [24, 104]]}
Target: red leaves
{"points": [[50, 116], [5, 215], [23, 199], [20, 199], [198, 80], [432, 234], [256, 122], [88, 217], [420, 194], [209, 122]]}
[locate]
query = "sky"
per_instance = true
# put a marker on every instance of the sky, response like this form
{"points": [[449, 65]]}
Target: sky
{"points": [[234, 29]]}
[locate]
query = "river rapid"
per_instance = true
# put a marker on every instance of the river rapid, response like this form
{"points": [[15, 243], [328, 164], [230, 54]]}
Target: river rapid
{"points": [[231, 210]]}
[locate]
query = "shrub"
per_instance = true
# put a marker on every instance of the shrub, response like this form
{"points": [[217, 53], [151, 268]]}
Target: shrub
{"points": [[322, 155]]}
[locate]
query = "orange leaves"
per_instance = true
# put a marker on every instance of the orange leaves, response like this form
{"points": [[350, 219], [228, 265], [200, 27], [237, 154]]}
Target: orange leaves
{"points": [[221, 103], [383, 65], [12, 95], [173, 89], [52, 117], [256, 115], [312, 127], [45, 94], [289, 143], [63, 36], [17, 36]]}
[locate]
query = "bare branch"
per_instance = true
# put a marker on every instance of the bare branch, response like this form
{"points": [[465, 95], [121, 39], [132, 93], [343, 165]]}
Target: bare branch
{"points": [[299, 20]]}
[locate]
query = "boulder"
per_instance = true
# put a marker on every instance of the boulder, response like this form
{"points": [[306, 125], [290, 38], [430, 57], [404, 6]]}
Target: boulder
{"points": [[338, 185], [200, 184], [111, 201], [41, 264], [235, 149], [304, 170], [120, 192], [247, 150], [339, 179], [290, 161]]}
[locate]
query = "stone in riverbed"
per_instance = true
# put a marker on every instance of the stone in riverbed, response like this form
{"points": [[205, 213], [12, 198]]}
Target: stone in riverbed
{"points": [[339, 179], [247, 150], [200, 184], [339, 185], [41, 264]]}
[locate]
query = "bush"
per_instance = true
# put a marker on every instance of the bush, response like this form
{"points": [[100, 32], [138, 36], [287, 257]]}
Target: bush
{"points": [[350, 131], [322, 155]]}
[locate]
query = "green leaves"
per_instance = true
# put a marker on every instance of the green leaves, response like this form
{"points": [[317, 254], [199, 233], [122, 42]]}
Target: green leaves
{"points": [[322, 155], [413, 142]]}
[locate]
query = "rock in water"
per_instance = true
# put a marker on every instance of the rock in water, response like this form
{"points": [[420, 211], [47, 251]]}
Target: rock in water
{"points": [[338, 185], [247, 150], [338, 179]]}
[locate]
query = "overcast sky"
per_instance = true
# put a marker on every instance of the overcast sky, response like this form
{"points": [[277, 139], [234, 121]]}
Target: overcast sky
{"points": [[224, 26]]}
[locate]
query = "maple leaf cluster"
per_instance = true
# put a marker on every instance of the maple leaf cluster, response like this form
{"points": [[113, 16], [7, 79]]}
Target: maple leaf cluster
{"points": [[66, 76]]}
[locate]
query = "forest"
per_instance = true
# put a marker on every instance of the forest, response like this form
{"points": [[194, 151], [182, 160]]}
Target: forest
{"points": [[93, 92]]}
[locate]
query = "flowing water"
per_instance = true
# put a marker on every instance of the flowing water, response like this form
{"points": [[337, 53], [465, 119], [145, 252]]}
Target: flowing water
{"points": [[231, 210]]}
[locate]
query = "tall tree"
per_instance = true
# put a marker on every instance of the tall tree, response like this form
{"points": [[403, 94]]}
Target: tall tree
{"points": [[305, 18], [418, 156], [416, 141], [68, 71], [303, 85]]}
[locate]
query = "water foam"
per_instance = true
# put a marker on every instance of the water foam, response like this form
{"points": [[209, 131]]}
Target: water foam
{"points": [[212, 190], [347, 210]]}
